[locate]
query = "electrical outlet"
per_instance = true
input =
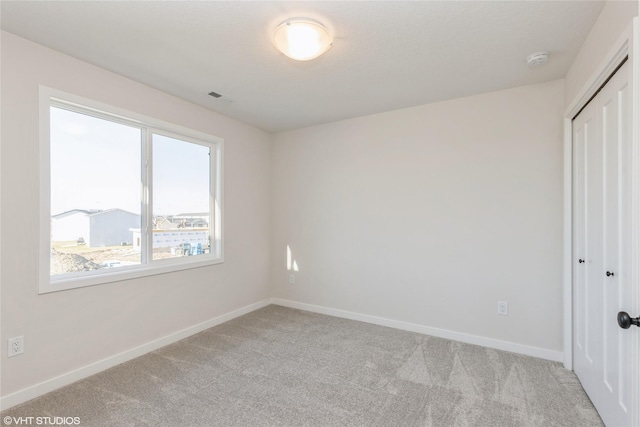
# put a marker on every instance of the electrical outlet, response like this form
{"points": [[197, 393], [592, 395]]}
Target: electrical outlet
{"points": [[292, 279], [16, 346], [503, 308]]}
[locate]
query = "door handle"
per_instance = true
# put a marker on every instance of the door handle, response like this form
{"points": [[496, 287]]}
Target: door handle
{"points": [[610, 273], [580, 261], [625, 321]]}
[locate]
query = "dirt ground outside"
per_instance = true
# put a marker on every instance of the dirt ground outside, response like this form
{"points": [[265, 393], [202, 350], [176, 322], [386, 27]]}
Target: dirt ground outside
{"points": [[68, 257]]}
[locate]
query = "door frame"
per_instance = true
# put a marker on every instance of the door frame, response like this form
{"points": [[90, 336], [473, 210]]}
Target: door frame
{"points": [[627, 45]]}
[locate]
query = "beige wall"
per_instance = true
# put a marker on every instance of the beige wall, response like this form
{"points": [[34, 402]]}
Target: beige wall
{"points": [[67, 330], [427, 215], [615, 18], [430, 215]]}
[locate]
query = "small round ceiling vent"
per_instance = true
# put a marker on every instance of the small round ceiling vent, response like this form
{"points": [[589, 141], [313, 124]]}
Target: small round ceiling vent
{"points": [[537, 59]]}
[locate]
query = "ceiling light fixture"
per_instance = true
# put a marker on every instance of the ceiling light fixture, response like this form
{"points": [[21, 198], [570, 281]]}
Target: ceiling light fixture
{"points": [[302, 39]]}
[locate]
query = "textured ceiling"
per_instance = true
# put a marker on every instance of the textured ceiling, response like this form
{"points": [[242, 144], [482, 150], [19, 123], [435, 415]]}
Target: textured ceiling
{"points": [[386, 55]]}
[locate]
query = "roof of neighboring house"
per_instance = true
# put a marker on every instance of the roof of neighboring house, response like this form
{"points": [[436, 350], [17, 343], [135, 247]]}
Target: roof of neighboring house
{"points": [[88, 212], [191, 215], [74, 212], [112, 210]]}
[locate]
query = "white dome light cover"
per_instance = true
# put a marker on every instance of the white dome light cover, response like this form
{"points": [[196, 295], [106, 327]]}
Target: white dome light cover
{"points": [[302, 39]]}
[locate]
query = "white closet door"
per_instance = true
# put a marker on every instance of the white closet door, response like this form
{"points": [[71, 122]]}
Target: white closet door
{"points": [[588, 247], [602, 285]]}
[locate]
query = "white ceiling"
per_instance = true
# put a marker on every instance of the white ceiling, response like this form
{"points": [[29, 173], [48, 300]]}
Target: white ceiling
{"points": [[386, 55]]}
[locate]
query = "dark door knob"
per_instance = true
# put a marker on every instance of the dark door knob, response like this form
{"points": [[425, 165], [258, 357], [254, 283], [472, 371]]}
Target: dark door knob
{"points": [[610, 273], [625, 321], [580, 261]]}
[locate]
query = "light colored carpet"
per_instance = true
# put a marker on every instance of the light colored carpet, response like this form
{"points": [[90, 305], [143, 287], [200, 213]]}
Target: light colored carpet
{"points": [[279, 366]]}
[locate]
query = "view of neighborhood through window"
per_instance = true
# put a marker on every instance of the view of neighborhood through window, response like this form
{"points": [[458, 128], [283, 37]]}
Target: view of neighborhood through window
{"points": [[181, 198], [97, 185], [95, 192]]}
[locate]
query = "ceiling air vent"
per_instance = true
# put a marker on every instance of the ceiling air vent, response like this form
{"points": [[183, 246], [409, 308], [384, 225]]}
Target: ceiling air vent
{"points": [[215, 95]]}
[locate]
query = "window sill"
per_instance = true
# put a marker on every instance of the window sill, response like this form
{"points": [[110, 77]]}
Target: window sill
{"points": [[52, 284]]}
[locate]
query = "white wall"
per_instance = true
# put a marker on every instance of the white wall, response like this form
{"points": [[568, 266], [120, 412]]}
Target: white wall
{"points": [[70, 329], [614, 19], [112, 228], [430, 215]]}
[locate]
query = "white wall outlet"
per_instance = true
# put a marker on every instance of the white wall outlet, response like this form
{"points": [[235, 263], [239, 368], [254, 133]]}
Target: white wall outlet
{"points": [[292, 279], [16, 346], [503, 308]]}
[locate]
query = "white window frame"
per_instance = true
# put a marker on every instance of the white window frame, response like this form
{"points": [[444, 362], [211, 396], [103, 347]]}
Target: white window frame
{"points": [[49, 97]]}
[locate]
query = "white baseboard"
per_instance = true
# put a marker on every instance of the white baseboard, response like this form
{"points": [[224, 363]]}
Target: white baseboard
{"points": [[542, 353], [52, 384], [47, 386]]}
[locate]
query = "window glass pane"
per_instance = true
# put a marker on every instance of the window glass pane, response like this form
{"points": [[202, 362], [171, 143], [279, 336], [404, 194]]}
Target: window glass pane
{"points": [[95, 192], [181, 198]]}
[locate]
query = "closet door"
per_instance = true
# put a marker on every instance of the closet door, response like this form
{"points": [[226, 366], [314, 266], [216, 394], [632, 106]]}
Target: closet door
{"points": [[602, 285], [588, 222]]}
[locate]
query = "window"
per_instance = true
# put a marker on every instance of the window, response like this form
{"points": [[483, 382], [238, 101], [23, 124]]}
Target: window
{"points": [[123, 195]]}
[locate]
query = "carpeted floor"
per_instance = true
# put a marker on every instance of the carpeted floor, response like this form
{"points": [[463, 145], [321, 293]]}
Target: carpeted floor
{"points": [[280, 366]]}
